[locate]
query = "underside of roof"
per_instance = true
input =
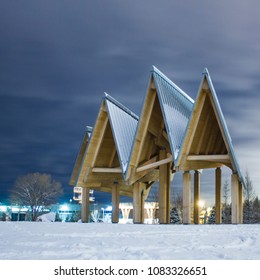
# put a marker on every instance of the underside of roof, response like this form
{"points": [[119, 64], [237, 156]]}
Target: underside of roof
{"points": [[207, 141]]}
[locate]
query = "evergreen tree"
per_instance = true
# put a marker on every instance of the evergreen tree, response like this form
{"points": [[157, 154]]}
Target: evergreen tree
{"points": [[256, 210], [249, 195], [226, 214], [212, 216], [175, 216], [226, 209]]}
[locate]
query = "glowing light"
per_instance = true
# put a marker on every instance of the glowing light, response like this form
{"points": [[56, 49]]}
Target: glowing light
{"points": [[3, 208], [201, 203], [64, 207]]}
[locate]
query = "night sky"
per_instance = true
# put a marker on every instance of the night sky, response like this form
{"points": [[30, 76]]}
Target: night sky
{"points": [[58, 57]]}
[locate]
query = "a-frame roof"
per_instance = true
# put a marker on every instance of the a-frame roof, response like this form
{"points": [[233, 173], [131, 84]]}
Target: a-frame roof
{"points": [[162, 125], [123, 124], [207, 142], [108, 150], [80, 156], [176, 107]]}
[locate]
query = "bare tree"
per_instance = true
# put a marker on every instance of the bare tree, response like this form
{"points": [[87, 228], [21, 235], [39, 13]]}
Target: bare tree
{"points": [[35, 190], [226, 192]]}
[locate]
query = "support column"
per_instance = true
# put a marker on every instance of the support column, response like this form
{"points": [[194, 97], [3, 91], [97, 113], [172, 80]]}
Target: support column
{"points": [[115, 203], [85, 205], [186, 195], [196, 197], [240, 202], [164, 190], [234, 199], [218, 185], [138, 204]]}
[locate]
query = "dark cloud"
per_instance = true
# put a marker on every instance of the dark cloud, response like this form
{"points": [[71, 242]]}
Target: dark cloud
{"points": [[58, 57]]}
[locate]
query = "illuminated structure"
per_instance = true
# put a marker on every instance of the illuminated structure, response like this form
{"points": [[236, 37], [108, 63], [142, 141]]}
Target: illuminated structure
{"points": [[125, 155]]}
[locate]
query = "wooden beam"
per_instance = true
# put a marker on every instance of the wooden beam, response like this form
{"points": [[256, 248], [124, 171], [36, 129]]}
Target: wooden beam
{"points": [[106, 170], [102, 132], [153, 175], [85, 205], [147, 112], [196, 197], [115, 203], [235, 211], [162, 142], [218, 185], [221, 158], [164, 190], [165, 135], [138, 203], [186, 197], [155, 164]]}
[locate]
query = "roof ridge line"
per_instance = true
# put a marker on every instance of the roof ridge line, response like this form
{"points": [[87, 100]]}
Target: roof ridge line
{"points": [[156, 70], [121, 106]]}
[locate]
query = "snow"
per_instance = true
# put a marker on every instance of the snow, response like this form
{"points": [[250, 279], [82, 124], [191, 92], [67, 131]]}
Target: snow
{"points": [[49, 217], [104, 241]]}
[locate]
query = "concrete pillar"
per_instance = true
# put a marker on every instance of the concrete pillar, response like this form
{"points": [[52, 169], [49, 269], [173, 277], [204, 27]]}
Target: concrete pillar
{"points": [[240, 203], [164, 190], [196, 197], [138, 204], [115, 203], [85, 205], [186, 196], [218, 186], [234, 199]]}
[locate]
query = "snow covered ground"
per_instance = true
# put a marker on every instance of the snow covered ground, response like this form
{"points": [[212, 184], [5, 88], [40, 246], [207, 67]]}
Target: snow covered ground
{"points": [[78, 241]]}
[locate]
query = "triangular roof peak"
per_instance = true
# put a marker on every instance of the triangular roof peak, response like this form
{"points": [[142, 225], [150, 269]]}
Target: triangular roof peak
{"points": [[171, 83], [120, 105], [176, 108], [205, 71], [162, 125], [207, 143], [123, 123], [81, 154]]}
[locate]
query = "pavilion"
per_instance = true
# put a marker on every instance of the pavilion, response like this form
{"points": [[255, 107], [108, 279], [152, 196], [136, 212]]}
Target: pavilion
{"points": [[125, 155]]}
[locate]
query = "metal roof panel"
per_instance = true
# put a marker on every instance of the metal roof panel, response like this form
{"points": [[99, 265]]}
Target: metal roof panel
{"points": [[176, 107], [123, 124]]}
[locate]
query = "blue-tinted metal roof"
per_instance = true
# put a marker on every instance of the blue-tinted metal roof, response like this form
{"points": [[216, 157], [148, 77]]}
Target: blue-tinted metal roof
{"points": [[223, 123], [123, 124], [176, 107]]}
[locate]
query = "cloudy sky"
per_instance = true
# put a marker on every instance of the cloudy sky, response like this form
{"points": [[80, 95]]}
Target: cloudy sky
{"points": [[58, 57]]}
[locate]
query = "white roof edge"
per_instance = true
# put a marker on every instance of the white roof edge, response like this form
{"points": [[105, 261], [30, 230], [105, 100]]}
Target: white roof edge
{"points": [[120, 105]]}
